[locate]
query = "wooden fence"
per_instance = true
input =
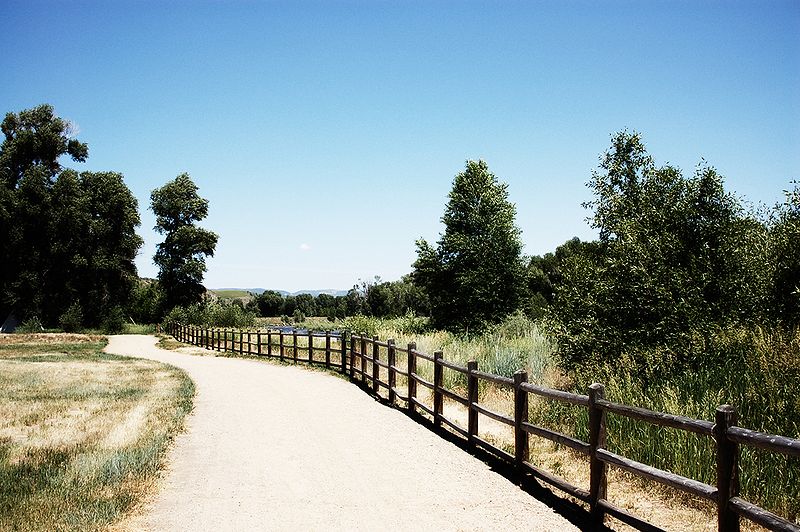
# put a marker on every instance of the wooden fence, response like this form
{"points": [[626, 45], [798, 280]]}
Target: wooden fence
{"points": [[366, 359]]}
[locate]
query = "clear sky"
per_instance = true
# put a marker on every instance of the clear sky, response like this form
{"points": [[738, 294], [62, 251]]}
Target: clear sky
{"points": [[326, 134]]}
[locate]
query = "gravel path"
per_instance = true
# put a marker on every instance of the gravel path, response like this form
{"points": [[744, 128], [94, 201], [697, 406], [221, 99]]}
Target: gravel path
{"points": [[272, 447]]}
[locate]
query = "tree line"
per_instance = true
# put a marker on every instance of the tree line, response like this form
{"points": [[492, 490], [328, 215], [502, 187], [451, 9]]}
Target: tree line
{"points": [[384, 299], [677, 259], [676, 256], [68, 239]]}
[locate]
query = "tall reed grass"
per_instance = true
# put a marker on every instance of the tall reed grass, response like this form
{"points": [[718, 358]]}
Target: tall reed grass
{"points": [[757, 370]]}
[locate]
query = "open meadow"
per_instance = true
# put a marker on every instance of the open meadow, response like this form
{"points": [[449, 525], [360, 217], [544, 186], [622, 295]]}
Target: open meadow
{"points": [[83, 434]]}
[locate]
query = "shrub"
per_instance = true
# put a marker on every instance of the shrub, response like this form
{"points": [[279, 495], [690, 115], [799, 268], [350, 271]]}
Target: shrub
{"points": [[211, 314], [31, 325], [114, 322], [72, 318]]}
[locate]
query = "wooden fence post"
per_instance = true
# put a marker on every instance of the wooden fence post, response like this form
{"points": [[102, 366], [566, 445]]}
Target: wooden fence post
{"points": [[472, 399], [258, 339], [281, 344], [343, 346], [412, 384], [438, 398], [597, 440], [352, 357], [363, 358], [241, 342], [391, 359], [249, 342], [376, 369], [727, 468], [327, 349], [521, 443], [269, 343], [294, 345], [310, 346]]}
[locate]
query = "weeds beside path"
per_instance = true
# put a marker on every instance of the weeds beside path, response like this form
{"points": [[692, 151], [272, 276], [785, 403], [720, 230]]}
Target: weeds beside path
{"points": [[279, 447]]}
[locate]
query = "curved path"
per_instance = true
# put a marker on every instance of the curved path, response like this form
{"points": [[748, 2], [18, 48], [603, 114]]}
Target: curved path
{"points": [[272, 447]]}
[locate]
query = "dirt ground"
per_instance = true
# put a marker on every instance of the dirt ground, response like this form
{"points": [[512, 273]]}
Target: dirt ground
{"points": [[272, 447]]}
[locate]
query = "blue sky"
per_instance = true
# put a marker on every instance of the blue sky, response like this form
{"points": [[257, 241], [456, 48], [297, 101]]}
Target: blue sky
{"points": [[326, 134]]}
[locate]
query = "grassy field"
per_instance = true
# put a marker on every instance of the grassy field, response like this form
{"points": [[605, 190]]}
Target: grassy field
{"points": [[82, 433]]}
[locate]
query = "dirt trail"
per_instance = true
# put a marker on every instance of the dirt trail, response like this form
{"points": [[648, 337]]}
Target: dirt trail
{"points": [[271, 447]]}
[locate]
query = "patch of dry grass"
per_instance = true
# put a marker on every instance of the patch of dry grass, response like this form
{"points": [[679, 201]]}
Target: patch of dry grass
{"points": [[82, 433]]}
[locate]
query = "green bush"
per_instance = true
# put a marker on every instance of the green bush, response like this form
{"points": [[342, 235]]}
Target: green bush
{"points": [[114, 322], [211, 314], [72, 318], [31, 325]]}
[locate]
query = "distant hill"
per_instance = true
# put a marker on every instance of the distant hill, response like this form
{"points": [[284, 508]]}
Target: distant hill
{"points": [[231, 293], [243, 292]]}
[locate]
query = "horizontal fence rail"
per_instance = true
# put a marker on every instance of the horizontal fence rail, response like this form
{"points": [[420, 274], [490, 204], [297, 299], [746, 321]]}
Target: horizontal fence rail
{"points": [[372, 364]]}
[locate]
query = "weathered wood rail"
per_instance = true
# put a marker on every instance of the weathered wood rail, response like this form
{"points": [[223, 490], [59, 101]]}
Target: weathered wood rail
{"points": [[368, 360]]}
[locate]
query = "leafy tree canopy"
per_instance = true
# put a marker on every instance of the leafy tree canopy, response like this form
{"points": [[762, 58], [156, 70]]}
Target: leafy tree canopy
{"points": [[475, 274], [676, 256], [68, 239], [181, 257]]}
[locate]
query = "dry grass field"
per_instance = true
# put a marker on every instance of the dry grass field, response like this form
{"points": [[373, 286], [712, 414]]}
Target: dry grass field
{"points": [[82, 433]]}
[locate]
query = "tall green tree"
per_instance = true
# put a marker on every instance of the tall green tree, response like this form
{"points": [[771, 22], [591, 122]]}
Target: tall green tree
{"points": [[785, 255], [68, 239], [677, 256], [34, 140], [181, 256], [475, 275]]}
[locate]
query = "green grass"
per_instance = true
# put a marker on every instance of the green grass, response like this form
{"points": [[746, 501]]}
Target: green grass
{"points": [[131, 328], [82, 433], [757, 371]]}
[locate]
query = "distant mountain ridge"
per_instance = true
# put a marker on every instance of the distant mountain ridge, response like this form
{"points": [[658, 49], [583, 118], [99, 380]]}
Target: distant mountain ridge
{"points": [[315, 293]]}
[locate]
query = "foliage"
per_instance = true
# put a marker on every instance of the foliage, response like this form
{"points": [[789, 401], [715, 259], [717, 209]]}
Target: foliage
{"points": [[114, 322], [210, 314], [31, 325], [475, 275], [676, 257], [72, 318], [373, 298], [785, 258], [146, 304], [753, 368], [269, 303], [67, 238], [181, 256]]}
